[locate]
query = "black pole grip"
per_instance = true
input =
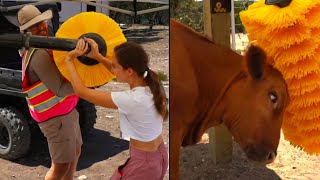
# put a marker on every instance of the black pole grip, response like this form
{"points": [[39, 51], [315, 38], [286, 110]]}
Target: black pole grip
{"points": [[279, 3], [12, 40], [63, 44], [27, 40]]}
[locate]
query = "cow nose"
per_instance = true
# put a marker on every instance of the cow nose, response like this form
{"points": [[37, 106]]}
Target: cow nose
{"points": [[271, 157], [261, 154]]}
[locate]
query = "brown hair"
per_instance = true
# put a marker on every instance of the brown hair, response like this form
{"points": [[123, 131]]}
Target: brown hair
{"points": [[132, 55]]}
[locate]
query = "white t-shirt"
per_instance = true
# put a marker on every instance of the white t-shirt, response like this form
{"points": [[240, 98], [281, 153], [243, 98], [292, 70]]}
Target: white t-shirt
{"points": [[139, 118]]}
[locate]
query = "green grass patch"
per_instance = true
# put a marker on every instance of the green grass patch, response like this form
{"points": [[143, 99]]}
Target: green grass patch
{"points": [[162, 76]]}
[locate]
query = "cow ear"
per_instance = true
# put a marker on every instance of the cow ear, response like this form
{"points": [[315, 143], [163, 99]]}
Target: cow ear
{"points": [[255, 59]]}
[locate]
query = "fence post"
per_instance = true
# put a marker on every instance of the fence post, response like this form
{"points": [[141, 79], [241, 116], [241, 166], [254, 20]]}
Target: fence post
{"points": [[217, 25]]}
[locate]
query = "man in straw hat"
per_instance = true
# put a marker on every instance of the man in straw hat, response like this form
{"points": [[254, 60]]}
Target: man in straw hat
{"points": [[51, 99]]}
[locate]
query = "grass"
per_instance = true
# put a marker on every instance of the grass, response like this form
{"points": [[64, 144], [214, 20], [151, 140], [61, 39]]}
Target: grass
{"points": [[162, 76]]}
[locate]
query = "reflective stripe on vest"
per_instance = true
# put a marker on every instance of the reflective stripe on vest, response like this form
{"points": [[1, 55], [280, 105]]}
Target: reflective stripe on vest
{"points": [[41, 90], [43, 103], [25, 60]]}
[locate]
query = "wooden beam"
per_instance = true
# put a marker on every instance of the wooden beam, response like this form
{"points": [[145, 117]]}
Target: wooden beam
{"points": [[106, 7], [217, 28], [6, 9], [165, 7], [153, 10]]}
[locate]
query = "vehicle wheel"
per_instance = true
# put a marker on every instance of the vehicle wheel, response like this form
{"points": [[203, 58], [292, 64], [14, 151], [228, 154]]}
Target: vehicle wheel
{"points": [[14, 134], [87, 116]]}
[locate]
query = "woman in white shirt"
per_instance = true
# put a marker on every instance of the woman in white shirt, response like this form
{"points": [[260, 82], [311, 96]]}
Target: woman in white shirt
{"points": [[142, 109]]}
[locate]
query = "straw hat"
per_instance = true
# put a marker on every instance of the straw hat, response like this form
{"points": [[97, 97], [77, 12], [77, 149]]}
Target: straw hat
{"points": [[30, 15]]}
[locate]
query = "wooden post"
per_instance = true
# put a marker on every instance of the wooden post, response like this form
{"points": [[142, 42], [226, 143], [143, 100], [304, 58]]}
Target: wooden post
{"points": [[217, 28]]}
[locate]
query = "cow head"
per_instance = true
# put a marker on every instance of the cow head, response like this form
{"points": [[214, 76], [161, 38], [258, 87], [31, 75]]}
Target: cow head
{"points": [[254, 106]]}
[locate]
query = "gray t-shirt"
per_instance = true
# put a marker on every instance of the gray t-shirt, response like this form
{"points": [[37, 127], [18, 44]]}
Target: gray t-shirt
{"points": [[42, 68]]}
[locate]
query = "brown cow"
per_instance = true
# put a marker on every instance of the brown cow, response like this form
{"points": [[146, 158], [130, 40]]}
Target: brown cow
{"points": [[212, 85]]}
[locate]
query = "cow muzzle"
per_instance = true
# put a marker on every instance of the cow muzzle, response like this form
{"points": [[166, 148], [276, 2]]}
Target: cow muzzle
{"points": [[262, 154]]}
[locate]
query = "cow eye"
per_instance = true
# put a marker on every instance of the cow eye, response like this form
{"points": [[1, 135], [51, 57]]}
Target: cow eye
{"points": [[273, 97]]}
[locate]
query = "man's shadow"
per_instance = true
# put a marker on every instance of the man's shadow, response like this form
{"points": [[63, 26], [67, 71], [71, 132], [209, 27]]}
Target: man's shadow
{"points": [[98, 146]]}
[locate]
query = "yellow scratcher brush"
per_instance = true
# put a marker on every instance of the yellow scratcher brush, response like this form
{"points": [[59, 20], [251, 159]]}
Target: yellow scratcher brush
{"points": [[286, 37], [304, 67], [307, 100], [291, 36], [89, 23], [312, 17], [274, 17]]}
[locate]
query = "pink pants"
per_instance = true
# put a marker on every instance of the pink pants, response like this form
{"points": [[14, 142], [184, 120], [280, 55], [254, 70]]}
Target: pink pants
{"points": [[143, 165]]}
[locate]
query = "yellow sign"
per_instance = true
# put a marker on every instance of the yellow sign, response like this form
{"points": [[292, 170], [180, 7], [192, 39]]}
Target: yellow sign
{"points": [[220, 6], [220, 10]]}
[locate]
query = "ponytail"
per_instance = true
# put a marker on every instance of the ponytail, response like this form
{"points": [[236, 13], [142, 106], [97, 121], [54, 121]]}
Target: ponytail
{"points": [[159, 94]]}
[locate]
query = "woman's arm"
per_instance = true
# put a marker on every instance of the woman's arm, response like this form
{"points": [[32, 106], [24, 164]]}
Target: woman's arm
{"points": [[94, 96], [105, 61], [94, 53]]}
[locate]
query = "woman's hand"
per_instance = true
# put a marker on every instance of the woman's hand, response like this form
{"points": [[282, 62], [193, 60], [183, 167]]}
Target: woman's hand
{"points": [[80, 49], [94, 52]]}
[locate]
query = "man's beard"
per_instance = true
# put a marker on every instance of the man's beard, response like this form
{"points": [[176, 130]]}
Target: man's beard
{"points": [[43, 31]]}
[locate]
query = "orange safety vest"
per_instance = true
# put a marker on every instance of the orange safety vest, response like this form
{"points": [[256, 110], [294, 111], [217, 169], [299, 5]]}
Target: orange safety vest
{"points": [[43, 103]]}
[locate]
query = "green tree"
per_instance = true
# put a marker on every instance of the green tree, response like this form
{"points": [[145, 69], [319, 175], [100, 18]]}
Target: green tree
{"points": [[189, 12]]}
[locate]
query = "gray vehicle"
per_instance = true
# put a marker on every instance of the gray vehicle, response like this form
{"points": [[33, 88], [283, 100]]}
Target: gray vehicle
{"points": [[16, 124]]}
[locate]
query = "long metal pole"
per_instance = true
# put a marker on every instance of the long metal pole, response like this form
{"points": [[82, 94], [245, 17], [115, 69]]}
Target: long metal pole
{"points": [[27, 40], [106, 7], [6, 9], [145, 1], [152, 10], [233, 45]]}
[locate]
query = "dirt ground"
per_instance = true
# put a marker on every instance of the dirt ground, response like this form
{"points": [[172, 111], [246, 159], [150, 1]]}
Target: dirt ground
{"points": [[291, 163], [103, 151]]}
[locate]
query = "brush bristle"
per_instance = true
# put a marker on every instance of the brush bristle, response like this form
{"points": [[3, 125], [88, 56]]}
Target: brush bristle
{"points": [[90, 22], [291, 36]]}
